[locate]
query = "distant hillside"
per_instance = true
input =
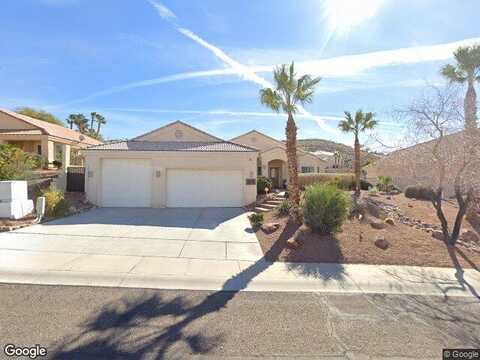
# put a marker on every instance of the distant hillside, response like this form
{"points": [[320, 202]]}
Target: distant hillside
{"points": [[327, 146], [313, 145]]}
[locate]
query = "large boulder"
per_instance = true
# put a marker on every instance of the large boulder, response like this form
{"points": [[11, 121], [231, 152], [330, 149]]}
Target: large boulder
{"points": [[381, 242], [378, 224], [270, 227]]}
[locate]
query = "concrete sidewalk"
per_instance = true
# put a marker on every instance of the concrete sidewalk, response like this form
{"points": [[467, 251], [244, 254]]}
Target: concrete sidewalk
{"points": [[57, 268]]}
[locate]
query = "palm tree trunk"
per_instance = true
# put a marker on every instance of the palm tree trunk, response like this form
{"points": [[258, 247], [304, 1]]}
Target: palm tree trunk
{"points": [[470, 105], [357, 166], [291, 134], [98, 127]]}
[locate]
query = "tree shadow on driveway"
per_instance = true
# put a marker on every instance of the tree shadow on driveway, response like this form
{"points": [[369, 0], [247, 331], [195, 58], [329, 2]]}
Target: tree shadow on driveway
{"points": [[153, 328]]}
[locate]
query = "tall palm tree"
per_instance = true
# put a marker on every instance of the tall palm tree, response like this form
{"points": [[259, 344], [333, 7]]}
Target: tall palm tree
{"points": [[93, 118], [288, 94], [80, 122], [100, 121], [71, 120], [466, 69], [356, 125]]}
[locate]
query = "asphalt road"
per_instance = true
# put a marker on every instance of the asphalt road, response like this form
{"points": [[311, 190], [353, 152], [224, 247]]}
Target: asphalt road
{"points": [[117, 323]]}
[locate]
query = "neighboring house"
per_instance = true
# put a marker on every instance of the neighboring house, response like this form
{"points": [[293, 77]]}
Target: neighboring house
{"points": [[40, 137], [415, 165], [176, 165], [272, 159]]}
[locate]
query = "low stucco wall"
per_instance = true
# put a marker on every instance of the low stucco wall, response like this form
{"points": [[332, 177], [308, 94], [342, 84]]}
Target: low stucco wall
{"points": [[163, 161]]}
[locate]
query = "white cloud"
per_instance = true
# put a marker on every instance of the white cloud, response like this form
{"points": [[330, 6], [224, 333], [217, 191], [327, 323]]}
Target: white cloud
{"points": [[344, 15], [162, 10]]}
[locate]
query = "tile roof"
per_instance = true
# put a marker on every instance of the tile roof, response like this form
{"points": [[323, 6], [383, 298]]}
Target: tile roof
{"points": [[135, 145], [21, 132], [54, 129]]}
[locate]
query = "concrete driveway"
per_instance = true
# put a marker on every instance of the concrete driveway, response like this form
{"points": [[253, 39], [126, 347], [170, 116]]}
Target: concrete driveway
{"points": [[192, 233]]}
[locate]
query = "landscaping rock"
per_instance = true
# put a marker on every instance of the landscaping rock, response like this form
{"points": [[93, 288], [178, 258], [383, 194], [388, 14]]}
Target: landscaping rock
{"points": [[381, 242], [378, 225], [437, 234], [470, 236], [389, 221], [409, 205], [293, 243], [270, 227]]}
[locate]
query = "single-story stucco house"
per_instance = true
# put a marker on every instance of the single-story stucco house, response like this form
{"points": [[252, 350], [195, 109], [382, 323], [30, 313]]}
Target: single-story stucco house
{"points": [[178, 165], [272, 157], [41, 137]]}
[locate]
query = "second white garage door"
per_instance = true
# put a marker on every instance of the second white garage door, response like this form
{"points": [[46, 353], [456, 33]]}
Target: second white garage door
{"points": [[204, 188], [126, 183]]}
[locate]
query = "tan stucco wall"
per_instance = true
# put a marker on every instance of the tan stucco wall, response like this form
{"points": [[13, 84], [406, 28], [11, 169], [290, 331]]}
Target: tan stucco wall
{"points": [[162, 161], [257, 141], [416, 166], [8, 122], [311, 160], [168, 134]]}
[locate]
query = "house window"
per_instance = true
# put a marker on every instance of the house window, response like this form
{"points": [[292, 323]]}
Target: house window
{"points": [[259, 171], [308, 169], [39, 149], [318, 169]]}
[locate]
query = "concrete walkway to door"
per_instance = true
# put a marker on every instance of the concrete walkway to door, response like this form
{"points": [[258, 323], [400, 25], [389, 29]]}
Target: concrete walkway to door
{"points": [[195, 233]]}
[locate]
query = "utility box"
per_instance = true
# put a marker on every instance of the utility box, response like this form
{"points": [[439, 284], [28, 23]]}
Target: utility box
{"points": [[14, 203]]}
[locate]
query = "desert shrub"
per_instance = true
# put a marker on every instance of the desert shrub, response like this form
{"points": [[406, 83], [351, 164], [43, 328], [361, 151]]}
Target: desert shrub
{"points": [[39, 161], [284, 208], [385, 183], [325, 208], [419, 192], [256, 219], [373, 191], [323, 178], [15, 164], [262, 183], [55, 203]]}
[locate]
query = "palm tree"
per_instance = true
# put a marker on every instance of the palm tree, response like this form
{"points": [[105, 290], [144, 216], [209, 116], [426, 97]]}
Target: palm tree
{"points": [[93, 118], [100, 121], [80, 122], [466, 69], [71, 120], [356, 125], [287, 94]]}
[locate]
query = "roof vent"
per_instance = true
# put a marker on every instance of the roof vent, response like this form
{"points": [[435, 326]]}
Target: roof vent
{"points": [[178, 134]]}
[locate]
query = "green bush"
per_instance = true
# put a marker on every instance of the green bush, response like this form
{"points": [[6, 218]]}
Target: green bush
{"points": [[325, 208], [55, 203], [373, 191], [342, 181], [256, 219], [262, 183], [385, 183], [284, 208], [57, 164], [419, 192], [15, 164]]}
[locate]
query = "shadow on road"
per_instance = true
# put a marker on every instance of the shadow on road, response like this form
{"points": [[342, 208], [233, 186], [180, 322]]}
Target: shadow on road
{"points": [[130, 330]]}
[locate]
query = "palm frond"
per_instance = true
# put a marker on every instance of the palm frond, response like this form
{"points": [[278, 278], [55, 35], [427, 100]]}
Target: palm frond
{"points": [[453, 74], [270, 98]]}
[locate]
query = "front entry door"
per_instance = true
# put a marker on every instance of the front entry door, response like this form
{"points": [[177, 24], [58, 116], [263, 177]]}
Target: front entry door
{"points": [[274, 174]]}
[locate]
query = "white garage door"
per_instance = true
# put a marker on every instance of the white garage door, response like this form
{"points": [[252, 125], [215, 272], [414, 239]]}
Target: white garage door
{"points": [[204, 188], [126, 183]]}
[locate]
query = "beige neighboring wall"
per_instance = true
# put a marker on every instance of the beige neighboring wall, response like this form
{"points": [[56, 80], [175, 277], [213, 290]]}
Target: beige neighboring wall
{"points": [[306, 159], [177, 131], [162, 161]]}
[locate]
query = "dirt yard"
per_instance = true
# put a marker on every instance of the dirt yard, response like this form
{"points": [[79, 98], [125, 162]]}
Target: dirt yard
{"points": [[355, 243]]}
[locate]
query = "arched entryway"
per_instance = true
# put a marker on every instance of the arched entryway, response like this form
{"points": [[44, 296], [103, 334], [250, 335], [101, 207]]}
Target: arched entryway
{"points": [[277, 171]]}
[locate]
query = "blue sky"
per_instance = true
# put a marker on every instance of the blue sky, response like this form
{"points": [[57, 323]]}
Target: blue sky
{"points": [[145, 63]]}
